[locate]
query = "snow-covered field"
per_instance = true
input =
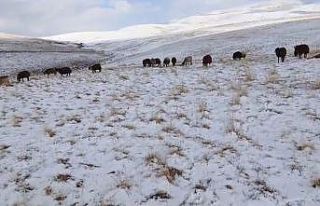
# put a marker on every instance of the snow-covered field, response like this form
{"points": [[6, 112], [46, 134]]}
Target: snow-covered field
{"points": [[237, 133], [22, 53]]}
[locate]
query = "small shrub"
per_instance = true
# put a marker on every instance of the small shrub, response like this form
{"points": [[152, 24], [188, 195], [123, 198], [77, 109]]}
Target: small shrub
{"points": [[63, 177], [124, 184], [50, 132]]}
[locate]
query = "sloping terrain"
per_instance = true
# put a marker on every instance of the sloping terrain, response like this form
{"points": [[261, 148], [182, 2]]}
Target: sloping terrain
{"points": [[236, 133], [256, 41], [221, 21], [23, 53]]}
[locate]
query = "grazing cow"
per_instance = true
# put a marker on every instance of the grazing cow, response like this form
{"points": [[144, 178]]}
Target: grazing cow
{"points": [[23, 75], [238, 55], [146, 63], [95, 68], [50, 71], [281, 53], [4, 80], [166, 62], [174, 61], [64, 71], [301, 49], [207, 60], [187, 61], [155, 62]]}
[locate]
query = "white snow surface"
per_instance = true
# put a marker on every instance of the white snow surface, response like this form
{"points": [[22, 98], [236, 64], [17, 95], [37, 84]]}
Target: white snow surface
{"points": [[219, 21], [237, 133], [23, 53]]}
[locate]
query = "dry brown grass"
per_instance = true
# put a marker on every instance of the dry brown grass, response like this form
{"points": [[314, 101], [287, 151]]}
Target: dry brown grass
{"points": [[123, 77], [129, 126], [50, 132], [315, 85], [16, 121], [304, 147], [4, 81], [170, 173], [211, 85], [175, 150], [159, 195], [249, 76], [116, 112], [316, 183], [225, 150], [154, 158], [230, 127], [130, 95], [162, 168], [179, 90], [287, 93], [63, 177], [124, 184], [273, 77], [48, 190], [172, 130], [236, 99], [157, 118], [74, 119], [203, 107]]}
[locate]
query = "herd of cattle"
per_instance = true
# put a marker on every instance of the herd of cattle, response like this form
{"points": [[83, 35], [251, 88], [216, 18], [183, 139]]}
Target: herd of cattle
{"points": [[281, 53], [62, 71]]}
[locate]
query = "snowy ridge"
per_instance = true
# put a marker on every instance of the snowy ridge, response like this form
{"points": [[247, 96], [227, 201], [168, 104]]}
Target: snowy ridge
{"points": [[215, 22]]}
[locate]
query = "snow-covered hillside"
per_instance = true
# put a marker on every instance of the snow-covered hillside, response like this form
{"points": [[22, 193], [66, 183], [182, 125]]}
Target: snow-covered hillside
{"points": [[236, 133], [255, 41], [270, 12], [20, 53]]}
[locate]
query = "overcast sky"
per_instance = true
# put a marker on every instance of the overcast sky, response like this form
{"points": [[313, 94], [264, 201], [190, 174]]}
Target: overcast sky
{"points": [[50, 17]]}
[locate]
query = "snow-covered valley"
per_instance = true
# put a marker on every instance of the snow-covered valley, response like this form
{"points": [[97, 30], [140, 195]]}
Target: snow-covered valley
{"points": [[236, 133]]}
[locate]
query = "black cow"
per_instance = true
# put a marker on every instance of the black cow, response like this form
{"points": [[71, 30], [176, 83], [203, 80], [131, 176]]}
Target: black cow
{"points": [[50, 71], [207, 60], [174, 61], [23, 75], [316, 56], [155, 62], [281, 53], [146, 63], [238, 55], [166, 62], [95, 68], [64, 71], [301, 49]]}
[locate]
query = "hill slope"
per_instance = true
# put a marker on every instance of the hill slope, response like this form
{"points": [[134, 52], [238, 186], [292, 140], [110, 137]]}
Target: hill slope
{"points": [[276, 11], [21, 53], [235, 133]]}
